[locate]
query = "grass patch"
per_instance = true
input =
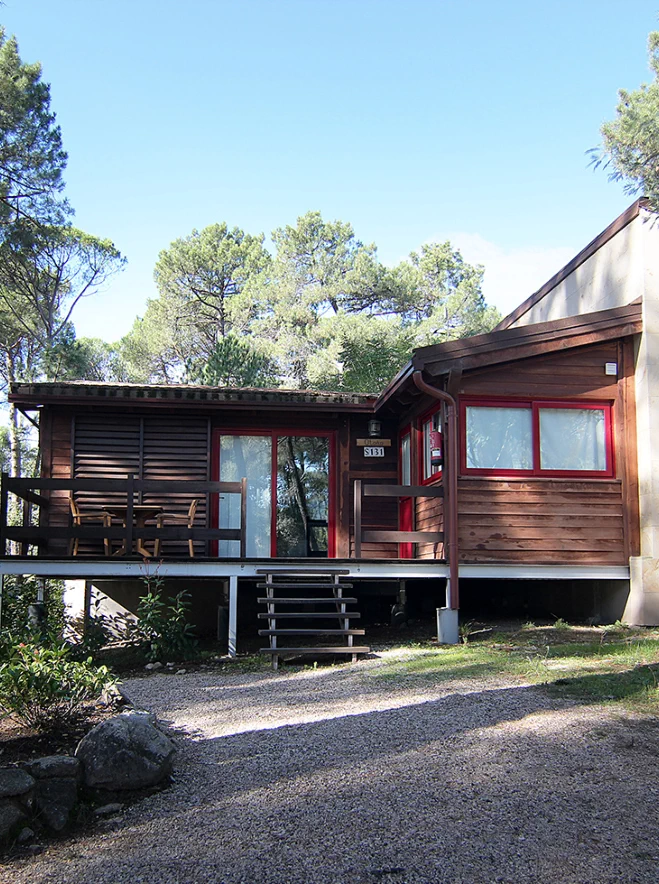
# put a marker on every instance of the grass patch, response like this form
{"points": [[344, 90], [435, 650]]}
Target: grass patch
{"points": [[591, 664]]}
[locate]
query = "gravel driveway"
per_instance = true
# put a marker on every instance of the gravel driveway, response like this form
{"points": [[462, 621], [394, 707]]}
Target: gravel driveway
{"points": [[345, 775]]}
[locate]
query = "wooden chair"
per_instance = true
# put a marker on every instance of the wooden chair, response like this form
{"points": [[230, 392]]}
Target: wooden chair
{"points": [[78, 517], [177, 518]]}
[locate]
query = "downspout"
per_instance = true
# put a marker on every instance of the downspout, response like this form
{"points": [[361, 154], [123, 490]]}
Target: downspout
{"points": [[451, 488]]}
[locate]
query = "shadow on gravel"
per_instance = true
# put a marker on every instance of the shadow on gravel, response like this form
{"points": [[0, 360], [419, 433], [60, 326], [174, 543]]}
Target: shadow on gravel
{"points": [[456, 789]]}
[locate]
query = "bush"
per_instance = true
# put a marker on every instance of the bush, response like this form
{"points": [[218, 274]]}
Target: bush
{"points": [[45, 689], [163, 626], [18, 593]]}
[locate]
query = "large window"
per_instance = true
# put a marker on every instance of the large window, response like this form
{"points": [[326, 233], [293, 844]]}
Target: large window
{"points": [[537, 438], [289, 492]]}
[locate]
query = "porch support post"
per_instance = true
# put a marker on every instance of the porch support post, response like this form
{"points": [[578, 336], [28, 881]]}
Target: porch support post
{"points": [[451, 487], [233, 613]]}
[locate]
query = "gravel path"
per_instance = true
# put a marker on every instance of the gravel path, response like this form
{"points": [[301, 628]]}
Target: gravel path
{"points": [[345, 775]]}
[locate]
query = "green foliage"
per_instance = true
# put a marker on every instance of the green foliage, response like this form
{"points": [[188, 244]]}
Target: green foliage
{"points": [[162, 626], [47, 690], [31, 156], [45, 271], [21, 592], [323, 312], [631, 141], [235, 362], [89, 359]]}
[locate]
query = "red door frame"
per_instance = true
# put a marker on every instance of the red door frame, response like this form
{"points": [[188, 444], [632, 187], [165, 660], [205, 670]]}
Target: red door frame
{"points": [[274, 435]]}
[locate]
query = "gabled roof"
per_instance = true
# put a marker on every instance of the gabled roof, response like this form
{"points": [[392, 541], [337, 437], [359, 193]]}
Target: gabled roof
{"points": [[509, 345], [601, 239]]}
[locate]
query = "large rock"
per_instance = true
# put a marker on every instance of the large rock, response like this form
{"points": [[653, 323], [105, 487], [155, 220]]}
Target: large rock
{"points": [[126, 752], [15, 782], [54, 800], [54, 767], [12, 819]]}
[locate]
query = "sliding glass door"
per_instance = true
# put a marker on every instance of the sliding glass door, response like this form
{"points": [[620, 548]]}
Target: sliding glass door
{"points": [[289, 493]]}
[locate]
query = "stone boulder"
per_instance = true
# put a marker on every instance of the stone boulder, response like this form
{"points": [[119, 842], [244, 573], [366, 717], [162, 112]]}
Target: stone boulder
{"points": [[56, 789], [16, 797], [126, 752]]}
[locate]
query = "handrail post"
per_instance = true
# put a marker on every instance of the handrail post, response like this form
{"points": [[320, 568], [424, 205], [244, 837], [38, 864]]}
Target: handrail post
{"points": [[451, 495], [130, 491], [26, 524], [4, 506], [243, 518], [358, 518]]}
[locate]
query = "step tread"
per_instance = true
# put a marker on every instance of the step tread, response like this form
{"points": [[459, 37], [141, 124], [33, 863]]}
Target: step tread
{"points": [[329, 615], [320, 600], [306, 585], [304, 572], [312, 632], [340, 649]]}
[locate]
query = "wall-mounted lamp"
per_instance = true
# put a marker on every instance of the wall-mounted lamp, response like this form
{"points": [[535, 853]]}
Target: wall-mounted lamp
{"points": [[374, 429]]}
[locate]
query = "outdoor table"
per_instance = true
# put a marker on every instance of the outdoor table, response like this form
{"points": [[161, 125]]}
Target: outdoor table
{"points": [[141, 512]]}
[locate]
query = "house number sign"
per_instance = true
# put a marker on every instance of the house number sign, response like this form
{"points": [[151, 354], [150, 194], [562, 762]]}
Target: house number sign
{"points": [[373, 451]]}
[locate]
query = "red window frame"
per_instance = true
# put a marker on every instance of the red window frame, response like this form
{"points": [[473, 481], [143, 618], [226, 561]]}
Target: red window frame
{"points": [[331, 435], [421, 454], [535, 405]]}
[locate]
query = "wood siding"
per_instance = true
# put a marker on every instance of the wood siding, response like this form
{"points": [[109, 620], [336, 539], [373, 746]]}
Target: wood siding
{"points": [[542, 520], [377, 512], [161, 444]]}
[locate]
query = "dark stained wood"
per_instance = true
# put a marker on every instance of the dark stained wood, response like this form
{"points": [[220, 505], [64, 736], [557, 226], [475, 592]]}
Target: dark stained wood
{"points": [[4, 502], [403, 536], [403, 491], [343, 479], [541, 521]]}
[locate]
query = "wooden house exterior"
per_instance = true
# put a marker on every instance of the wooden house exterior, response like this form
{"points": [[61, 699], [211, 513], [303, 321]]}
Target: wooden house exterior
{"points": [[519, 449]]}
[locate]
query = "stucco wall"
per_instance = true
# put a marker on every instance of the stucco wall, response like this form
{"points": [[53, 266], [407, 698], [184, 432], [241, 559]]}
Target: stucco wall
{"points": [[622, 270], [613, 276]]}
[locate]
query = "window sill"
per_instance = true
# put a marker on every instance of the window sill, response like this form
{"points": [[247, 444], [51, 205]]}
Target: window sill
{"points": [[568, 479]]}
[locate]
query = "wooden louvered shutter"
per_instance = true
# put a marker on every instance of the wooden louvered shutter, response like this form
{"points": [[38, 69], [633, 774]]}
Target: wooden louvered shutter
{"points": [[177, 448], [105, 447]]}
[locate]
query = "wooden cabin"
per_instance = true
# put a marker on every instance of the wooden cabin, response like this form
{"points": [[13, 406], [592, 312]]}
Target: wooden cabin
{"points": [[495, 468]]}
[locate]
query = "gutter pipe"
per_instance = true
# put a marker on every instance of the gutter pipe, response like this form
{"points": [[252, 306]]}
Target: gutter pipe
{"points": [[451, 488]]}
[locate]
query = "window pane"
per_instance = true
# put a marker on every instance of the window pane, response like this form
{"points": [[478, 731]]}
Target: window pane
{"points": [[499, 438], [431, 424], [572, 439], [251, 457], [302, 496], [405, 461]]}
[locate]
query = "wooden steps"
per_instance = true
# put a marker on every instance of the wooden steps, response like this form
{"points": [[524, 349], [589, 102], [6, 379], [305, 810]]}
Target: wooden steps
{"points": [[312, 615], [327, 591], [316, 649], [309, 601], [312, 632]]}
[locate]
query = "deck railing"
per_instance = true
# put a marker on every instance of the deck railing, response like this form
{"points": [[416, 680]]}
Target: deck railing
{"points": [[378, 535], [34, 493]]}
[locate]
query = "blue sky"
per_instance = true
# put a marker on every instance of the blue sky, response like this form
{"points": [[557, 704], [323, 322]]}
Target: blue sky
{"points": [[413, 121]]}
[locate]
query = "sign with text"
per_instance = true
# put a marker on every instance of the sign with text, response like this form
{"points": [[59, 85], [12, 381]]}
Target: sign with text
{"points": [[373, 451]]}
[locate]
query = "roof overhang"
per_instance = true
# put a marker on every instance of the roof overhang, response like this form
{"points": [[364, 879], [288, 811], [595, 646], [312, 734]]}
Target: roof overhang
{"points": [[510, 345], [37, 395]]}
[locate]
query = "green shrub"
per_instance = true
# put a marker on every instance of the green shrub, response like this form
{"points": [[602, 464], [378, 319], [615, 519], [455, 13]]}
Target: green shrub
{"points": [[18, 593], [163, 627], [47, 690]]}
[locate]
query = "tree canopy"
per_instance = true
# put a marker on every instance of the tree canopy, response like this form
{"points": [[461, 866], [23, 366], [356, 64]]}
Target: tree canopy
{"points": [[322, 311], [32, 158], [630, 148]]}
